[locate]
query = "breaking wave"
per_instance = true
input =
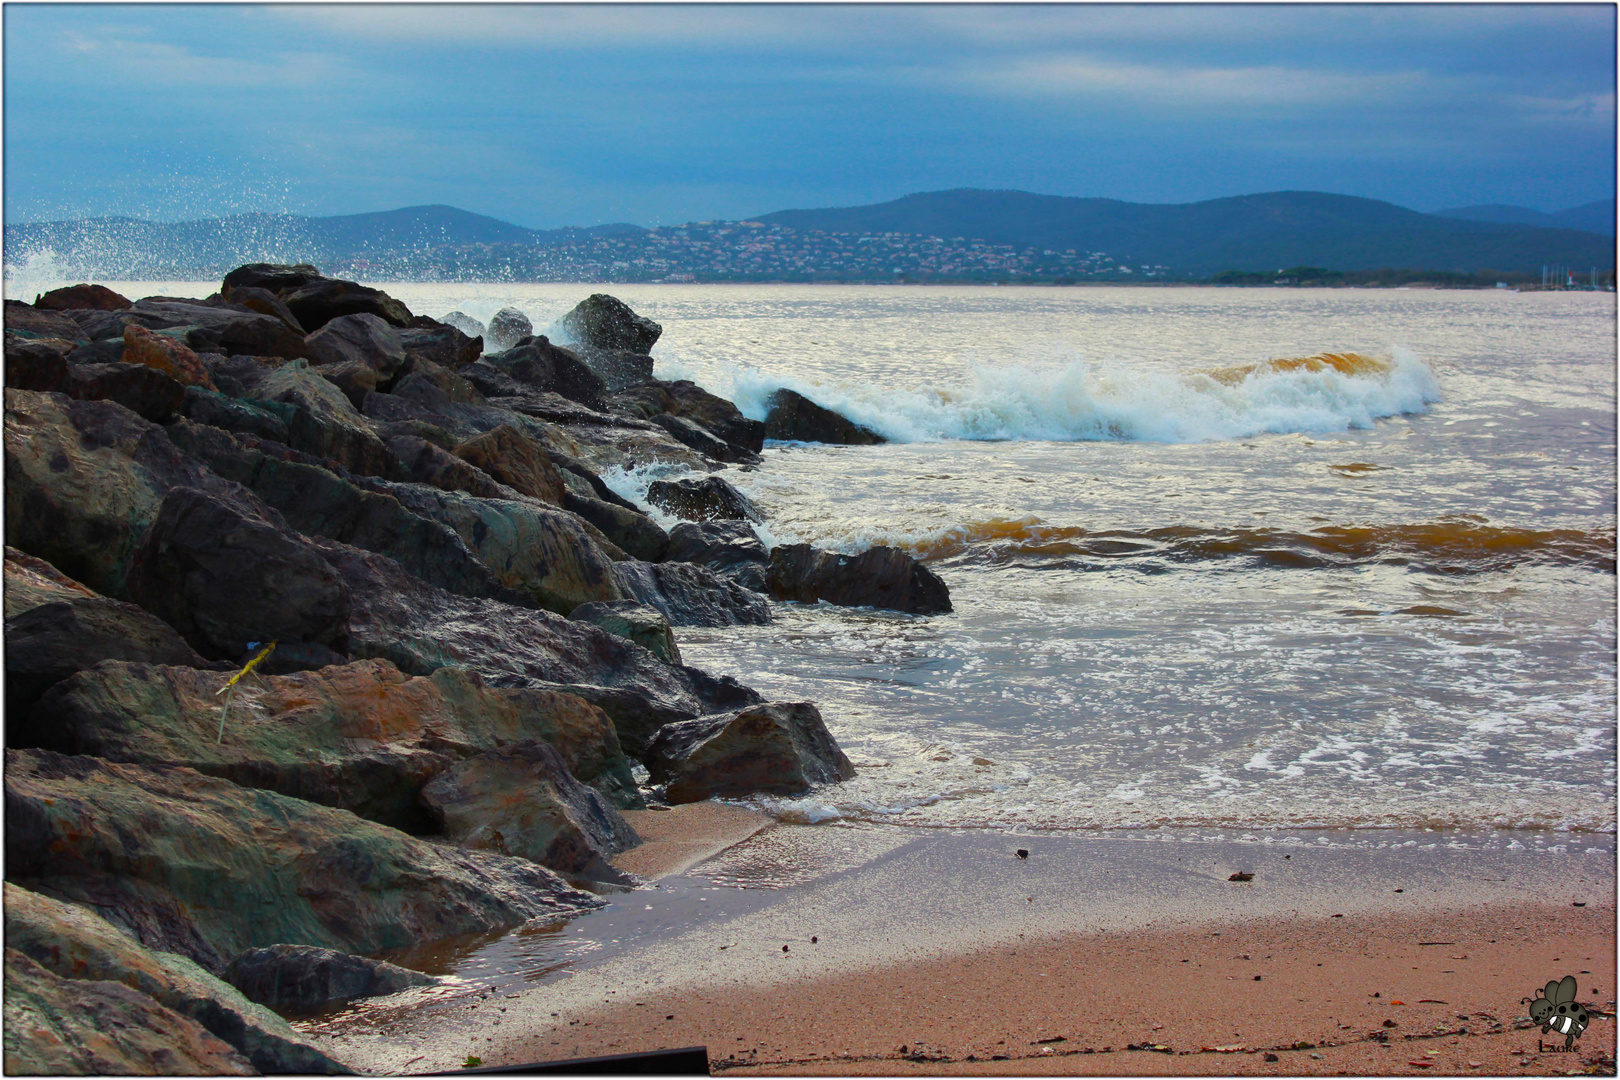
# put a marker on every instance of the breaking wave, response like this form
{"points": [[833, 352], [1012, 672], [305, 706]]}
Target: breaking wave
{"points": [[1323, 393]]}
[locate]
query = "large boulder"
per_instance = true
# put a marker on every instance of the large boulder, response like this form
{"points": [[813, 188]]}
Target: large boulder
{"points": [[262, 419], [471, 327], [200, 866], [303, 978], [320, 301], [82, 297], [21, 318], [84, 481], [433, 383], [775, 749], [73, 942], [708, 499], [881, 577], [730, 548], [601, 321], [275, 278], [30, 582], [689, 401], [701, 440], [317, 502], [520, 800], [541, 553], [224, 577], [428, 463], [792, 417], [75, 1027], [362, 339], [689, 595], [173, 358], [264, 302], [537, 363], [635, 622], [514, 459], [634, 533], [322, 422], [145, 391], [203, 327], [362, 736], [507, 327], [446, 345], [620, 369], [38, 364]]}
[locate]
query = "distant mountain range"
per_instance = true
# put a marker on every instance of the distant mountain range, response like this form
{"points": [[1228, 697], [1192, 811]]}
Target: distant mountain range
{"points": [[1597, 217], [964, 234]]}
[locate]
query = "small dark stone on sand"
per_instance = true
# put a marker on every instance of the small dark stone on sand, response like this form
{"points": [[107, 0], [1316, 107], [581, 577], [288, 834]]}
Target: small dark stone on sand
{"points": [[1272, 1057], [1257, 978], [1022, 853], [812, 939], [1377, 994], [1389, 1023], [1241, 876], [784, 948]]}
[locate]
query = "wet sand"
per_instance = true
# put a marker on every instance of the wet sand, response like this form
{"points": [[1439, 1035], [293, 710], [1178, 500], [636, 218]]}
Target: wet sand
{"points": [[943, 952]]}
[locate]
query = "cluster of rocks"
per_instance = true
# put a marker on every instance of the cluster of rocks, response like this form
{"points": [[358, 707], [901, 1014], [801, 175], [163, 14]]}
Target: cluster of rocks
{"points": [[472, 636]]}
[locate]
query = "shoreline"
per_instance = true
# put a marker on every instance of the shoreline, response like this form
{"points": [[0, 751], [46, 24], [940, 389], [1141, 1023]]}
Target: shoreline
{"points": [[949, 945]]}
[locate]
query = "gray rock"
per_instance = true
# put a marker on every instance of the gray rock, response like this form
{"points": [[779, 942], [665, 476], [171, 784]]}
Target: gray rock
{"points": [[620, 369], [445, 345], [601, 321], [633, 532], [778, 749], [363, 339], [708, 499], [635, 622], [689, 595], [466, 324], [882, 577], [305, 978], [729, 548], [792, 417], [700, 439], [508, 327]]}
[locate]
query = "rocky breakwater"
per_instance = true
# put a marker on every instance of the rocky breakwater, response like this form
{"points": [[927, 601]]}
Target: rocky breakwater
{"points": [[471, 642]]}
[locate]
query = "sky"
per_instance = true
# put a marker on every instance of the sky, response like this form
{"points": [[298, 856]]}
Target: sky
{"points": [[552, 115]]}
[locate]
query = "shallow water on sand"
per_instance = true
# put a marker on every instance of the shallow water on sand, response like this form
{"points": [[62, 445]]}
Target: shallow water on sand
{"points": [[1193, 585]]}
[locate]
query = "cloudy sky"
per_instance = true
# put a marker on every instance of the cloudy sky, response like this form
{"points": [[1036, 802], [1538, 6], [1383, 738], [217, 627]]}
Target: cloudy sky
{"points": [[557, 115]]}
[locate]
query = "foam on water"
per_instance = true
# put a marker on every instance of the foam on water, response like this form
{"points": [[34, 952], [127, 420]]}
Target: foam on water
{"points": [[1081, 401]]}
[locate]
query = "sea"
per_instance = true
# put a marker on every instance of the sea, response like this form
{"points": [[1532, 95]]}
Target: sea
{"points": [[1234, 560]]}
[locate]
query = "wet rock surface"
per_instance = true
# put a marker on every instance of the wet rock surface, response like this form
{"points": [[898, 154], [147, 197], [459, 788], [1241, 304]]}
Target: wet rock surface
{"points": [[635, 622], [791, 416], [601, 321], [708, 499], [299, 978], [779, 748], [881, 577], [729, 548], [691, 595]]}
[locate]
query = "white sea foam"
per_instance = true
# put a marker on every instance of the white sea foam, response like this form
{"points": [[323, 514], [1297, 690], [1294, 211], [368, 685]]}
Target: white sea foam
{"points": [[1080, 401]]}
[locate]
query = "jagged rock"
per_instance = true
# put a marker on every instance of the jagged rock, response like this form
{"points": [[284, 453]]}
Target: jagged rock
{"points": [[73, 942], [882, 577], [82, 297], [793, 417], [635, 622], [777, 749], [514, 459], [39, 364], [689, 595], [619, 369], [221, 328], [542, 553], [264, 420], [469, 325], [689, 401], [354, 378], [142, 346], [445, 344], [539, 364], [317, 502], [362, 736], [27, 319], [320, 301], [104, 351], [708, 499], [432, 383], [304, 977], [47, 643], [429, 464], [264, 302], [273, 277], [636, 534], [729, 548], [200, 866], [520, 800], [362, 339], [323, 422], [74, 1027], [601, 321], [508, 327], [699, 439], [84, 481], [422, 628], [223, 577], [145, 391], [30, 582]]}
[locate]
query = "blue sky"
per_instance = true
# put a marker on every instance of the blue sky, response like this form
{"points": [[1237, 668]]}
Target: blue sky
{"points": [[657, 114]]}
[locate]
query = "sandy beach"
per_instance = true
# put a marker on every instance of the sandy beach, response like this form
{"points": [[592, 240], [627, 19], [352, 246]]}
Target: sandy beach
{"points": [[879, 951]]}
